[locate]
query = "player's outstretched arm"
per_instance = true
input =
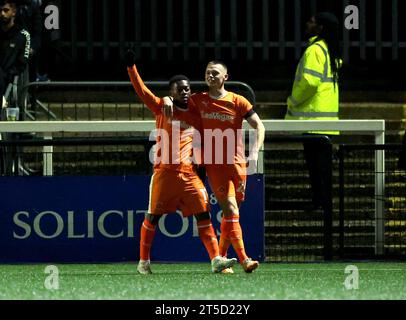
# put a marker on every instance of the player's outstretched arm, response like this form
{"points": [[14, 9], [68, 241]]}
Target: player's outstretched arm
{"points": [[150, 100]]}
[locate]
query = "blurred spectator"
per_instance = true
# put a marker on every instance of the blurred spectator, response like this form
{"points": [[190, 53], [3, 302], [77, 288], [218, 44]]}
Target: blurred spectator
{"points": [[29, 17], [14, 45], [43, 41]]}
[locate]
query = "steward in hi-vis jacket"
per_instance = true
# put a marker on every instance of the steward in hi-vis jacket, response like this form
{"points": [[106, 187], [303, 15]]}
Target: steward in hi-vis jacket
{"points": [[315, 96]]}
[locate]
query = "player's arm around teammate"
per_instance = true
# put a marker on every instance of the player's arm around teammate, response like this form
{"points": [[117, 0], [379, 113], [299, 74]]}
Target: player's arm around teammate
{"points": [[174, 184], [224, 111]]}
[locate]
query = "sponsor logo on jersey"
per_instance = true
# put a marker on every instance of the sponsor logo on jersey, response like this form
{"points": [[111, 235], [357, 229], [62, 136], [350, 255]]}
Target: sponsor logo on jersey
{"points": [[217, 116]]}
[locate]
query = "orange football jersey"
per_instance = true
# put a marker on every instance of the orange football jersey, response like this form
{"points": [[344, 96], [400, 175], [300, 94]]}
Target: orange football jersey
{"points": [[173, 149], [222, 119]]}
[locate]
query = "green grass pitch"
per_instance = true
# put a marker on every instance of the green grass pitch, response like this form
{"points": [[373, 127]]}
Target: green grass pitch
{"points": [[194, 281]]}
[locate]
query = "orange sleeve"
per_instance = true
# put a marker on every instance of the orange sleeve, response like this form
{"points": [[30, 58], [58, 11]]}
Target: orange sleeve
{"points": [[151, 101], [244, 106]]}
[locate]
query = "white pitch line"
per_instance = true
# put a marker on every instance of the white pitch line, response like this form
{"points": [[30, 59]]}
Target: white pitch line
{"points": [[360, 269]]}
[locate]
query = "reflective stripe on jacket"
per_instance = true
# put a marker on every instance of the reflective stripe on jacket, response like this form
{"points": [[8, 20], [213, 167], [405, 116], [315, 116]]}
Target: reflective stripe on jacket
{"points": [[314, 95]]}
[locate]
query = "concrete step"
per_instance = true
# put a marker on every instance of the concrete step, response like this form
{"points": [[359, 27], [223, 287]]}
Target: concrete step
{"points": [[395, 124], [348, 110], [284, 241], [274, 90], [385, 111], [304, 193], [68, 111], [346, 96], [93, 111], [267, 110], [395, 218]]}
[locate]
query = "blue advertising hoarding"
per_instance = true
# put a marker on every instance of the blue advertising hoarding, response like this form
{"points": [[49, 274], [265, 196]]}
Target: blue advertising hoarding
{"points": [[98, 219]]}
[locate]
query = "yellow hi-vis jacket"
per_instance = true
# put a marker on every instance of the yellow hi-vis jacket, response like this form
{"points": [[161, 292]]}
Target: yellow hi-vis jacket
{"points": [[314, 96]]}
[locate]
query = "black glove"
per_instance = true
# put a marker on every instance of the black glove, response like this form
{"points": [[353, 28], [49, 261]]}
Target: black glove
{"points": [[201, 172], [129, 58]]}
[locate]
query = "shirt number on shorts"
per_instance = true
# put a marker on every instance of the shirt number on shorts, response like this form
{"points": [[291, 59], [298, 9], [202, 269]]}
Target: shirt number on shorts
{"points": [[204, 193], [213, 199]]}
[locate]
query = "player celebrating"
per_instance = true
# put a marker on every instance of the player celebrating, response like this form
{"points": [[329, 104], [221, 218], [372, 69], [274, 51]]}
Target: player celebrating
{"points": [[222, 113], [174, 184]]}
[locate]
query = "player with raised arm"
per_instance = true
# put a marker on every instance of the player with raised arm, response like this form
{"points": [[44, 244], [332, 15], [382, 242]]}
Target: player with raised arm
{"points": [[174, 183], [222, 113]]}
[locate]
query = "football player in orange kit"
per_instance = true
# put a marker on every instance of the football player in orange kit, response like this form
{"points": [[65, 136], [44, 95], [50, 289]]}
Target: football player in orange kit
{"points": [[175, 183], [222, 113]]}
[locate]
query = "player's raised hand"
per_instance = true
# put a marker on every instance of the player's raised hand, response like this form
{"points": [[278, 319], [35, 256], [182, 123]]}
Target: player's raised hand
{"points": [[129, 58], [167, 107]]}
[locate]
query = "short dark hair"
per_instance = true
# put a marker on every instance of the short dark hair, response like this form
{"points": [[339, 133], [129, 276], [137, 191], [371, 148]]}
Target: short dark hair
{"points": [[178, 77], [218, 62], [10, 2], [326, 18]]}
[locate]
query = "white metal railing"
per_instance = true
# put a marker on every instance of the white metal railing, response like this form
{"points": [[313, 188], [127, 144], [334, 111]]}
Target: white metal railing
{"points": [[374, 127]]}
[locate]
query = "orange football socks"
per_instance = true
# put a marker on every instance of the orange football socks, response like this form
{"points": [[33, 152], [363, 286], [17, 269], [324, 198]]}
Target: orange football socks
{"points": [[231, 229], [147, 236], [224, 244], [208, 237]]}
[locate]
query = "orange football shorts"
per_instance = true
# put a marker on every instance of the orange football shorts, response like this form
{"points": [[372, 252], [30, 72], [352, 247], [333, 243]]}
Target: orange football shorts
{"points": [[228, 180], [171, 190]]}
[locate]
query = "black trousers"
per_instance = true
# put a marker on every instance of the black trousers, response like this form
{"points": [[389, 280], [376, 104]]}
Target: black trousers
{"points": [[2, 91], [402, 155], [318, 157], [2, 86]]}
